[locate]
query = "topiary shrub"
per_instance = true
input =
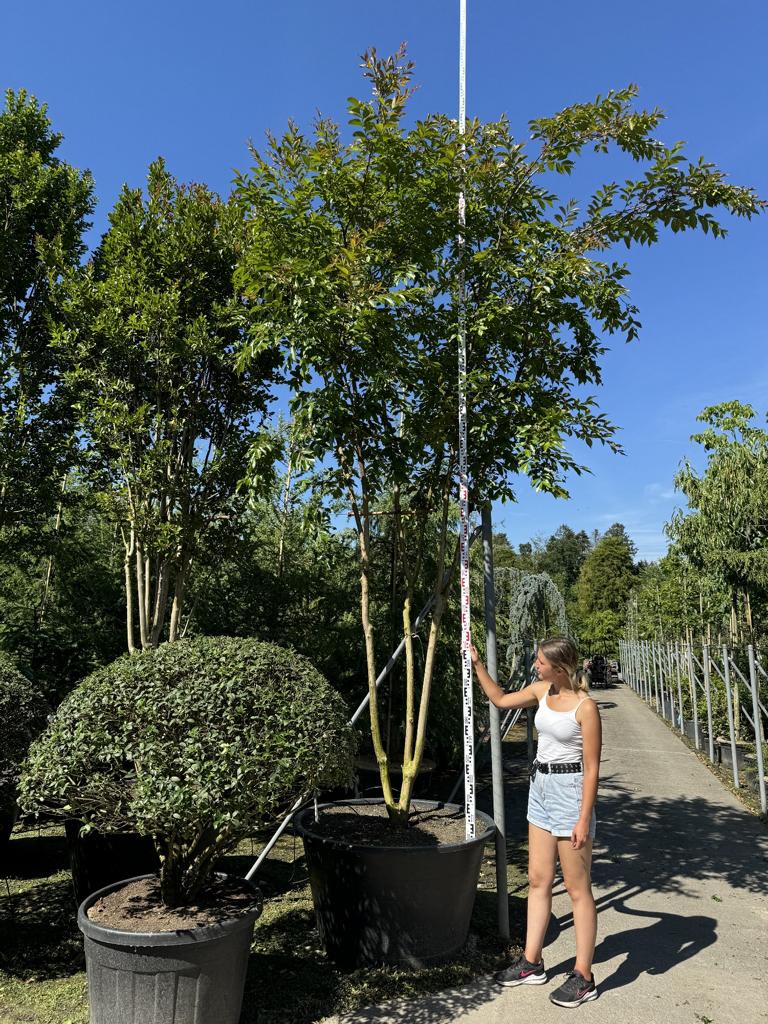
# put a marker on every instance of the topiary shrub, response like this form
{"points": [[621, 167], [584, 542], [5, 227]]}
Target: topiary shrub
{"points": [[195, 744], [22, 717]]}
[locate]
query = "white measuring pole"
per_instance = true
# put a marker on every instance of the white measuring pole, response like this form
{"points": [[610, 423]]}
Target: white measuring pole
{"points": [[466, 660]]}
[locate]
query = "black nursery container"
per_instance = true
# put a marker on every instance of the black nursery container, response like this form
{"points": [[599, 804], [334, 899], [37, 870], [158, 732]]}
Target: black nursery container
{"points": [[97, 859], [191, 976], [393, 905]]}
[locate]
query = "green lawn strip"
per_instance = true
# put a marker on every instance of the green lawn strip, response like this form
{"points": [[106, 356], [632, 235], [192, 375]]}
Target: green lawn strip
{"points": [[42, 977]]}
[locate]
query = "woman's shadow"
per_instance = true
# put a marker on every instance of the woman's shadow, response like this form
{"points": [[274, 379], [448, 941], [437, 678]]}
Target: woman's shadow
{"points": [[653, 949]]}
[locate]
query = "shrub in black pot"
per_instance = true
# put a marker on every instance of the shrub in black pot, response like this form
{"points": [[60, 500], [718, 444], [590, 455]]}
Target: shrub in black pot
{"points": [[194, 744], [22, 716]]}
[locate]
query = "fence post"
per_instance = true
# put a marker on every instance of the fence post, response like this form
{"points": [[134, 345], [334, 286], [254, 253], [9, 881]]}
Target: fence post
{"points": [[727, 677], [656, 674], [708, 695], [758, 727], [694, 698]]}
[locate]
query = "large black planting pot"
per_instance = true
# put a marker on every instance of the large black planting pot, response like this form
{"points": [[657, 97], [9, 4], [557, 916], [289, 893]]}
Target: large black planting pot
{"points": [[97, 859], [192, 976], [7, 821], [393, 905]]}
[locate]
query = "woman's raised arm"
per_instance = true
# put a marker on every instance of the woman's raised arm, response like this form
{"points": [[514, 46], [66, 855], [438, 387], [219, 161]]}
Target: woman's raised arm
{"points": [[528, 697]]}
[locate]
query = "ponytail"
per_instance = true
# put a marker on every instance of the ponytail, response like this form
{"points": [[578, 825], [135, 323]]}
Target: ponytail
{"points": [[580, 681]]}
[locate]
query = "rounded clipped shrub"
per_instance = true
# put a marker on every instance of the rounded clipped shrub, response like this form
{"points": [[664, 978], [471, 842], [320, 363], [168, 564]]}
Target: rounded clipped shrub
{"points": [[22, 717], [195, 744]]}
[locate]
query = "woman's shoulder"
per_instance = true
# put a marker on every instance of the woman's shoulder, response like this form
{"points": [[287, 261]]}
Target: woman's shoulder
{"points": [[541, 689], [586, 706]]}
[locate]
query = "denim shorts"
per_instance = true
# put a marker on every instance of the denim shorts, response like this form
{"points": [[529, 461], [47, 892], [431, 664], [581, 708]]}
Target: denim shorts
{"points": [[554, 803]]}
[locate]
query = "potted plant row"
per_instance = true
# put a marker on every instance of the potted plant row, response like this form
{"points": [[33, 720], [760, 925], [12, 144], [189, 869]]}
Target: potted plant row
{"points": [[195, 744]]}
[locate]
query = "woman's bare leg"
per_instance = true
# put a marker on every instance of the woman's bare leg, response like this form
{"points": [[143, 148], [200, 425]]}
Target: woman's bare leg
{"points": [[542, 857], [577, 867]]}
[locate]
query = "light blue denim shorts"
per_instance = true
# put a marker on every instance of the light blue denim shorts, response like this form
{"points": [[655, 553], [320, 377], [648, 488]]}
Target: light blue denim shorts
{"points": [[554, 802]]}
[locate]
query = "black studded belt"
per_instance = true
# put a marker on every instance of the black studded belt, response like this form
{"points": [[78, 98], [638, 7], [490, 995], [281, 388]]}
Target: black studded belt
{"points": [[554, 769]]}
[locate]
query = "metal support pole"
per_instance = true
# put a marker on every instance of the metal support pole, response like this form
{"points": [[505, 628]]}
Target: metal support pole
{"points": [[758, 727], [497, 764], [694, 698], [680, 688], [654, 650], [727, 678], [529, 712], [708, 696], [662, 667]]}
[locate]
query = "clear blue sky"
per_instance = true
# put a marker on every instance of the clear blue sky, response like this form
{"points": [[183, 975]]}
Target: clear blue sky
{"points": [[194, 81]]}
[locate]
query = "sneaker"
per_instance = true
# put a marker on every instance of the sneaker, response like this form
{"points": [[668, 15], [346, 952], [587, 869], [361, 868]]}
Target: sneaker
{"points": [[522, 972], [574, 991]]}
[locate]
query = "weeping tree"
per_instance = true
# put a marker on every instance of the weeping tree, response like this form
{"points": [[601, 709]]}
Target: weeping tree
{"points": [[351, 273], [148, 338], [529, 607]]}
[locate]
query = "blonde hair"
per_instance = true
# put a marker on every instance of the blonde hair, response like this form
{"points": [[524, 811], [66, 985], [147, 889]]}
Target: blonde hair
{"points": [[561, 652]]}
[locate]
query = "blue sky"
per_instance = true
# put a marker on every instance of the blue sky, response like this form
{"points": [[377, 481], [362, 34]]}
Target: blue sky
{"points": [[193, 82]]}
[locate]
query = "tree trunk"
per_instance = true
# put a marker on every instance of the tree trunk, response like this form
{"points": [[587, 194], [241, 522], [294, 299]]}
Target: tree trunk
{"points": [[141, 595], [178, 599], [129, 553]]}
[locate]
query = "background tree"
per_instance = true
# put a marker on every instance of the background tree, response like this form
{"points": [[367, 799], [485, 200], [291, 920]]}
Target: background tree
{"points": [[603, 588], [351, 270], [725, 530], [44, 206], [151, 331]]}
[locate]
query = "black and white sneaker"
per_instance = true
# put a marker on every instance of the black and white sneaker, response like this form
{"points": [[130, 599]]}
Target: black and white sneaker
{"points": [[522, 972], [574, 991]]}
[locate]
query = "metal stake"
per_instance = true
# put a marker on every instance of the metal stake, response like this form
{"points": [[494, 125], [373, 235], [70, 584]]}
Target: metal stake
{"points": [[497, 763]]}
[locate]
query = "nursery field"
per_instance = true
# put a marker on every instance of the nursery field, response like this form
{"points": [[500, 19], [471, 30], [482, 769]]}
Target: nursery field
{"points": [[42, 970]]}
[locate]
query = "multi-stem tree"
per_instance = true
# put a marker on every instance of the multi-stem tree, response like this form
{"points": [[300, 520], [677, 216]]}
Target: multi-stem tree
{"points": [[352, 274], [152, 325]]}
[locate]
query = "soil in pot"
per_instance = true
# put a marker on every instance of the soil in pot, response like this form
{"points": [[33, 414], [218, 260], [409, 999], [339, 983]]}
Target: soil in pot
{"points": [[389, 896], [137, 907]]}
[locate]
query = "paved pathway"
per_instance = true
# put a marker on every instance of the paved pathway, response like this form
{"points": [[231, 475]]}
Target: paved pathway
{"points": [[680, 876]]}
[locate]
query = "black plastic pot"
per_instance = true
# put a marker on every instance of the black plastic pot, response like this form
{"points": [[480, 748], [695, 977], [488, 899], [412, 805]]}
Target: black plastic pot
{"points": [[726, 754], [7, 821], [193, 976], [97, 859], [369, 779], [393, 905]]}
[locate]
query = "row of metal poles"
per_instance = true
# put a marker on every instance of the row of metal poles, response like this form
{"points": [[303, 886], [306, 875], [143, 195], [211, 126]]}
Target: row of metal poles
{"points": [[660, 672]]}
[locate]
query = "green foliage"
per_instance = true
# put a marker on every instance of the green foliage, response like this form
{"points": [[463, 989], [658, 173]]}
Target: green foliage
{"points": [[351, 272], [62, 606], [149, 338], [45, 204], [724, 532], [194, 743], [607, 576], [563, 556], [22, 718]]}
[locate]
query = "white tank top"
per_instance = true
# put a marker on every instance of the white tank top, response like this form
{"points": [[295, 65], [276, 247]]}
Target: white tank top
{"points": [[560, 739]]}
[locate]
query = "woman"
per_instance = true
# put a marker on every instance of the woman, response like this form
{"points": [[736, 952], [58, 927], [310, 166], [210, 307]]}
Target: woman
{"points": [[561, 810]]}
